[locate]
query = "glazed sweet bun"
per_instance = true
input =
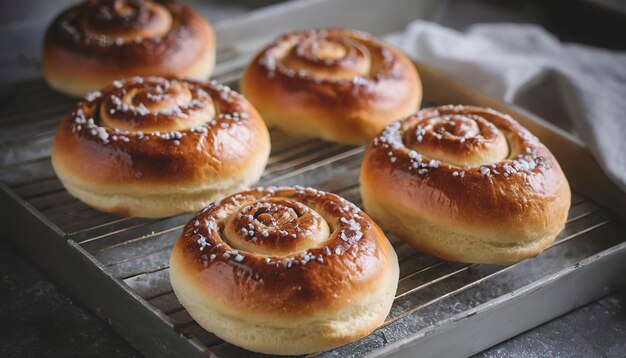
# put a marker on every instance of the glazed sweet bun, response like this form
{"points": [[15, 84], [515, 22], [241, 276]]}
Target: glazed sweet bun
{"points": [[340, 85], [96, 42], [154, 146], [465, 184], [285, 271]]}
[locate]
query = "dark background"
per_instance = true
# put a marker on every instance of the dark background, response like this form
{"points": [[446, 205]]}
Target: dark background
{"points": [[37, 318]]}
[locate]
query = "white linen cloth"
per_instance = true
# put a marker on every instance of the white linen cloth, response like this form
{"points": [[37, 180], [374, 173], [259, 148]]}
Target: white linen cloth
{"points": [[579, 88]]}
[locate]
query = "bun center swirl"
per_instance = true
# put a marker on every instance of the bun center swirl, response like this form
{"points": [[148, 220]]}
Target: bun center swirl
{"points": [[337, 57], [126, 20], [165, 115], [324, 49], [464, 140], [460, 141], [286, 227], [156, 104], [276, 226], [330, 56]]}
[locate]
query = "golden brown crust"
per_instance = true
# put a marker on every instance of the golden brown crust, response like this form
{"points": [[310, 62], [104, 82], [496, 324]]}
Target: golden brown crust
{"points": [[93, 43], [319, 277], [498, 198], [156, 137], [337, 84]]}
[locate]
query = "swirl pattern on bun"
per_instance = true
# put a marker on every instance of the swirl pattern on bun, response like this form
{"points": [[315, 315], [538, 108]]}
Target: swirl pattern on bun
{"points": [[465, 184], [340, 85], [159, 146], [95, 42], [285, 270]]}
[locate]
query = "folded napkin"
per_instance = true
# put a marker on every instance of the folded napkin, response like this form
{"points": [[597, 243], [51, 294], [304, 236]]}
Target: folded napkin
{"points": [[579, 88]]}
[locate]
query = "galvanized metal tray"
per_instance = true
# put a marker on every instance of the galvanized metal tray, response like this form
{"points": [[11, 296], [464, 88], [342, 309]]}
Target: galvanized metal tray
{"points": [[118, 266]]}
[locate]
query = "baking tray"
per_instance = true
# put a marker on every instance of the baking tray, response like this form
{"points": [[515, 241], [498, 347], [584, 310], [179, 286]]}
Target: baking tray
{"points": [[118, 266]]}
